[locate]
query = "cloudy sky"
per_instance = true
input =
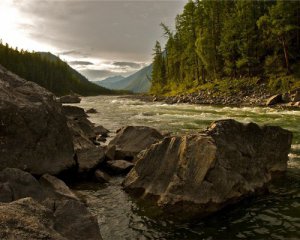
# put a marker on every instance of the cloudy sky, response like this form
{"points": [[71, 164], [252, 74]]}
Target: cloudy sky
{"points": [[100, 38]]}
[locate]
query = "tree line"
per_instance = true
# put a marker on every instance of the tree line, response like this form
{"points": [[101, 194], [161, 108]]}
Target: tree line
{"points": [[229, 39], [50, 73]]}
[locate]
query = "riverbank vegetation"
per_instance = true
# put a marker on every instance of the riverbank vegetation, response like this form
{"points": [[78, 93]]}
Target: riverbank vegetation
{"points": [[228, 45], [48, 71]]}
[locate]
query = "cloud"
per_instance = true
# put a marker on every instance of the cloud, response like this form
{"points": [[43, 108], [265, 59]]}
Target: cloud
{"points": [[80, 63], [121, 33], [128, 64]]}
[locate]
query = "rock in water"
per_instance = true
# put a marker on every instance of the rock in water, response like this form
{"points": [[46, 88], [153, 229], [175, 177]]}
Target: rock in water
{"points": [[195, 175], [33, 132], [274, 100], [130, 140]]}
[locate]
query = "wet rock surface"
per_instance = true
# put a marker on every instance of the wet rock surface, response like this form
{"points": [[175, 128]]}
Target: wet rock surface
{"points": [[195, 175]]}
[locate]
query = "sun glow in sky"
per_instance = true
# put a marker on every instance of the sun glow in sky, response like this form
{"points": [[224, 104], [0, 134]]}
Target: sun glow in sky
{"points": [[100, 38], [12, 22]]}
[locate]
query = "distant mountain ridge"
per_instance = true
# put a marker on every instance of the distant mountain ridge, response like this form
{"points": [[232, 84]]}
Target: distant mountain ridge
{"points": [[138, 82], [49, 71]]}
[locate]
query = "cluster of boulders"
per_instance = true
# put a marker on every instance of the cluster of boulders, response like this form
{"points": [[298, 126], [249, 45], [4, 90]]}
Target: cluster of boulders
{"points": [[188, 176], [42, 209], [38, 141], [289, 99], [245, 97]]}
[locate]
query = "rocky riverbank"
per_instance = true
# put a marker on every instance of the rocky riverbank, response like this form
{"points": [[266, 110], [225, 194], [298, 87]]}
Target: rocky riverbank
{"points": [[257, 97], [44, 145]]}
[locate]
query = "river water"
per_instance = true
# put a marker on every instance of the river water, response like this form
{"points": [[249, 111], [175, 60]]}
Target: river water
{"points": [[272, 216]]}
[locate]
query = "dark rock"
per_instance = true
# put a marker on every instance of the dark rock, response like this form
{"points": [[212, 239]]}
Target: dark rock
{"points": [[119, 166], [296, 98], [101, 176], [100, 130], [74, 221], [53, 202], [274, 100], [69, 99], [33, 132], [88, 155], [56, 188], [91, 110], [74, 112], [27, 219], [20, 184], [196, 175], [130, 140]]}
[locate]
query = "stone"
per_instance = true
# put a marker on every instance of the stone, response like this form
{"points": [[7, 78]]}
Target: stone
{"points": [[33, 131], [56, 188], [100, 130], [73, 112], [89, 157], [74, 221], [20, 184], [296, 98], [195, 175], [91, 110], [69, 99], [274, 100], [101, 176], [130, 140], [27, 219], [87, 154], [119, 166]]}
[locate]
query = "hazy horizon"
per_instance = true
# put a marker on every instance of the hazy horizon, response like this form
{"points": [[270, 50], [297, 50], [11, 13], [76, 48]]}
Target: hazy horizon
{"points": [[98, 38]]}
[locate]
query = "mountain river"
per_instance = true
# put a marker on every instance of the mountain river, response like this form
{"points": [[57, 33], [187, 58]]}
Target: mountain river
{"points": [[272, 216]]}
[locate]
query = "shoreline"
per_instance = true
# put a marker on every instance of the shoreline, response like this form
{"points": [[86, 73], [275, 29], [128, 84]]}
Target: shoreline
{"points": [[202, 98]]}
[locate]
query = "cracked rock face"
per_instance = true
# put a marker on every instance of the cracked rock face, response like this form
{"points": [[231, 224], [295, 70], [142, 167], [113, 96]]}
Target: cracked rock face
{"points": [[33, 132], [195, 175]]}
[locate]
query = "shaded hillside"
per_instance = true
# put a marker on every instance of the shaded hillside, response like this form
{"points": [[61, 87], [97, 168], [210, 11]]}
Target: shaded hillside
{"points": [[138, 82], [48, 71]]}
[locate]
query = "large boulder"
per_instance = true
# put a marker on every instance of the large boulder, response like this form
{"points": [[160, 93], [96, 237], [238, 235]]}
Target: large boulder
{"points": [[195, 175], [33, 131], [130, 140]]}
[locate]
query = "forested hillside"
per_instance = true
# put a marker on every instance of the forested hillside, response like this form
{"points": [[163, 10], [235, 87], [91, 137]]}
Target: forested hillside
{"points": [[224, 43], [48, 71]]}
